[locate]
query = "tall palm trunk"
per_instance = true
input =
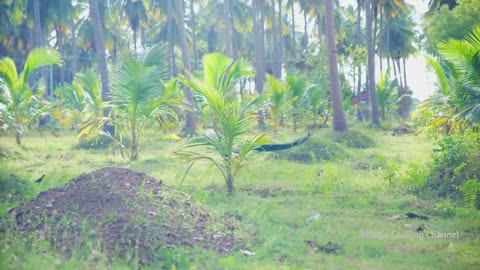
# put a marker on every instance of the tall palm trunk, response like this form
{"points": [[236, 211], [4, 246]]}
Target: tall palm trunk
{"points": [[305, 30], [259, 30], [280, 39], [194, 37], [294, 43], [371, 64], [380, 42], [39, 39], [228, 28], [339, 122], [62, 53], [190, 119], [101, 57], [275, 63], [358, 36], [170, 39], [74, 48]]}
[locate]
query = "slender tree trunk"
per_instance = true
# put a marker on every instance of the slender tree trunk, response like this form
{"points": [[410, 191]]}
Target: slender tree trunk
{"points": [[101, 57], [194, 36], [74, 48], [405, 92], [62, 54], [40, 41], [230, 188], [280, 39], [339, 122], [275, 42], [190, 124], [135, 40], [228, 28], [305, 23], [294, 53], [358, 36], [18, 137], [258, 25], [375, 18], [171, 40], [402, 89], [380, 41], [371, 64]]}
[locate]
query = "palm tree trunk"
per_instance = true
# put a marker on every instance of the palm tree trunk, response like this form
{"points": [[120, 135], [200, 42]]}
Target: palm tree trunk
{"points": [[62, 53], [101, 58], [230, 188], [401, 90], [380, 43], [371, 64], [358, 36], [39, 39], [18, 137], [171, 41], [258, 25], [190, 124], [228, 28], [294, 53], [194, 37], [74, 48], [280, 40], [405, 92], [305, 30], [339, 122], [274, 40]]}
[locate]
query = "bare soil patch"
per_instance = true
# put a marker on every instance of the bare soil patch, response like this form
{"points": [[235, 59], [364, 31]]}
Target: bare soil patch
{"points": [[128, 214]]}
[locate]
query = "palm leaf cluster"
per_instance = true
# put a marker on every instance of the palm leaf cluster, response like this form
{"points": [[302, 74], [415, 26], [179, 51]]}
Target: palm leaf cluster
{"points": [[21, 103], [456, 106], [231, 116]]}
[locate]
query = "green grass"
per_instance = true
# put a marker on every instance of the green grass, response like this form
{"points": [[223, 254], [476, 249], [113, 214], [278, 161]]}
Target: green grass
{"points": [[353, 196]]}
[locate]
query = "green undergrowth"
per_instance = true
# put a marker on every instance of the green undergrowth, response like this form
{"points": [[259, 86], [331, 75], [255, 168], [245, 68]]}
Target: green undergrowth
{"points": [[339, 189]]}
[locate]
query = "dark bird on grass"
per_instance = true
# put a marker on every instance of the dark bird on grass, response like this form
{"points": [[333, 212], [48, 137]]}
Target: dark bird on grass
{"points": [[282, 146], [39, 180]]}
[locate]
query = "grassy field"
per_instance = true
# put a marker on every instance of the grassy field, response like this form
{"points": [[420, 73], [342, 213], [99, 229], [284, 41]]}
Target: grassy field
{"points": [[284, 206]]}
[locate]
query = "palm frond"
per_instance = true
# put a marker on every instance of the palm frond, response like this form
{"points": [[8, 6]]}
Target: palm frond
{"points": [[37, 58], [8, 72]]}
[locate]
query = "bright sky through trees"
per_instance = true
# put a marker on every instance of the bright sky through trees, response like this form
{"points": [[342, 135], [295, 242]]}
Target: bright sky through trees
{"points": [[420, 79]]}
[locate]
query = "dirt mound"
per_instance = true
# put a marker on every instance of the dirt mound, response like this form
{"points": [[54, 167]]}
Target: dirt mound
{"points": [[126, 214]]}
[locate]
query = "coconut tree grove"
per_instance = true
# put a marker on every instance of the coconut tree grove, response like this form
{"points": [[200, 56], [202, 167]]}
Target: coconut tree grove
{"points": [[231, 134]]}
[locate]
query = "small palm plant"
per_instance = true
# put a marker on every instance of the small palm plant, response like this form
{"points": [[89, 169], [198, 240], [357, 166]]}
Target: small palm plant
{"points": [[138, 96], [298, 87], [216, 92], [279, 99], [92, 103], [385, 92], [21, 102]]}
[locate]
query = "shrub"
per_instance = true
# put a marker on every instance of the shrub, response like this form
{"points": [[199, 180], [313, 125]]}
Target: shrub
{"points": [[454, 169]]}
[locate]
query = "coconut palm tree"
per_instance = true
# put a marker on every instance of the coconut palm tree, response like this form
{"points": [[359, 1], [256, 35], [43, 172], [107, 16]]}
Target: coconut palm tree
{"points": [[100, 53], [278, 99], [371, 63], [138, 95], [232, 117], [22, 102], [339, 122]]}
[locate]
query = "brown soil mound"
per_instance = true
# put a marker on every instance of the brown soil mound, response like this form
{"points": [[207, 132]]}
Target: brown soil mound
{"points": [[128, 214]]}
